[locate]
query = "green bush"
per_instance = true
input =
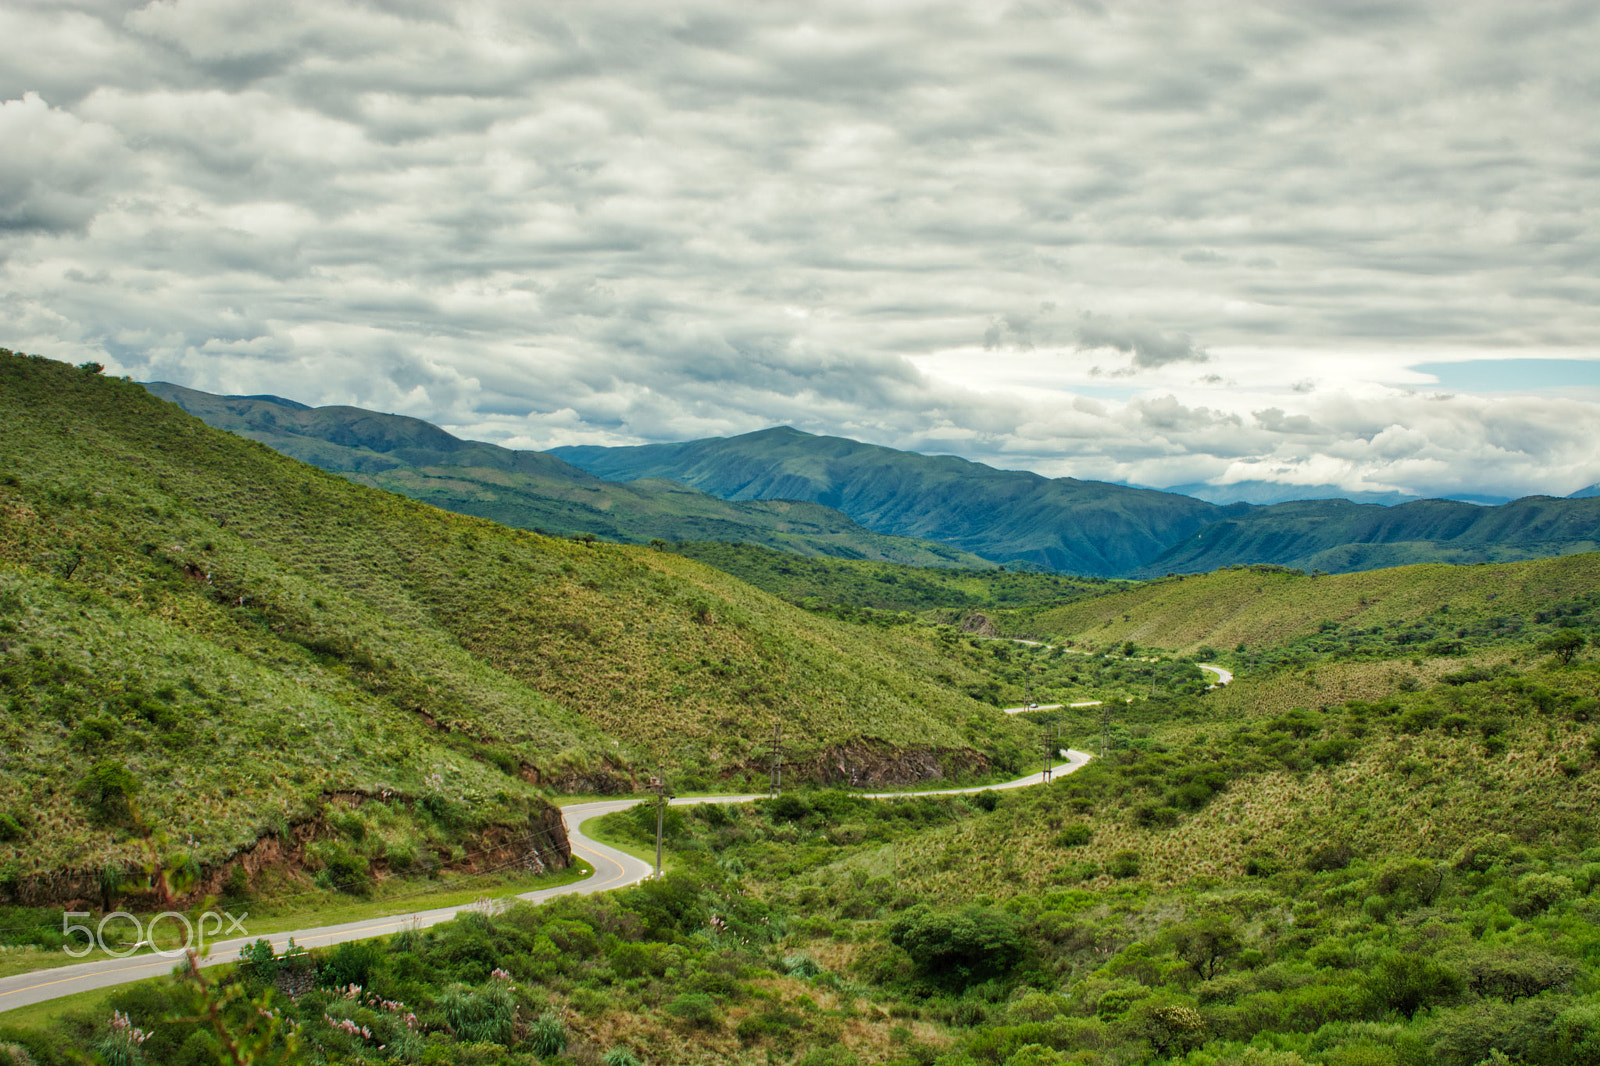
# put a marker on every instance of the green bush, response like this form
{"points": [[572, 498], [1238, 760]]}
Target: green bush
{"points": [[351, 963], [694, 1009], [1074, 836], [1123, 864], [959, 948], [109, 790], [1538, 892], [1406, 983]]}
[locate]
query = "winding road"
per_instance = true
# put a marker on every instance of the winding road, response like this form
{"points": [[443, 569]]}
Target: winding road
{"points": [[612, 869], [1223, 677]]}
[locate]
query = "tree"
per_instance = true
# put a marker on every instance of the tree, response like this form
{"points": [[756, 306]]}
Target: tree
{"points": [[1205, 945], [1563, 644], [959, 948], [1406, 983]]}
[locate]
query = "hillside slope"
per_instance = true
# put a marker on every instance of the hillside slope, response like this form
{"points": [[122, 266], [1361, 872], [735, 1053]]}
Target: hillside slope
{"points": [[1339, 536], [884, 586], [172, 592], [536, 490], [1405, 608], [1083, 527]]}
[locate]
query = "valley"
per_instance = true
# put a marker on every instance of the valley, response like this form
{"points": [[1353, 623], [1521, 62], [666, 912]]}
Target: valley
{"points": [[233, 679]]}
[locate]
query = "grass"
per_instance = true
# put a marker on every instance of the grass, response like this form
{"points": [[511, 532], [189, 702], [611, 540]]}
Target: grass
{"points": [[1385, 613], [394, 686], [851, 586]]}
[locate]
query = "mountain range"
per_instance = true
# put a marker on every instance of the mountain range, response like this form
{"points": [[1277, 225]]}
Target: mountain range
{"points": [[1095, 528], [538, 490], [819, 495]]}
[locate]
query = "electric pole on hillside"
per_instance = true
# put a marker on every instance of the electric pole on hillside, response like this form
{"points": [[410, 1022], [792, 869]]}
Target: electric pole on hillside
{"points": [[1105, 728], [777, 758], [658, 785], [1049, 751]]}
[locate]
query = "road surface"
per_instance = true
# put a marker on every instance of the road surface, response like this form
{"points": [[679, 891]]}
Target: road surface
{"points": [[1223, 676], [612, 869]]}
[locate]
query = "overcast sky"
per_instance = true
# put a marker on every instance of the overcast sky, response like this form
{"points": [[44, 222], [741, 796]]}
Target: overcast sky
{"points": [[1351, 244]]}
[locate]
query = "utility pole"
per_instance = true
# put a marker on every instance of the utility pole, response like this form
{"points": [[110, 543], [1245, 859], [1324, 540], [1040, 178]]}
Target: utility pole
{"points": [[777, 758], [658, 784], [1049, 752], [1105, 728]]}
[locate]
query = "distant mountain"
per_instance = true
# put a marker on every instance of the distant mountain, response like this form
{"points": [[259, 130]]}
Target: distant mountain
{"points": [[1584, 494], [1265, 493], [793, 491], [536, 490], [1084, 527], [1339, 536], [1092, 528]]}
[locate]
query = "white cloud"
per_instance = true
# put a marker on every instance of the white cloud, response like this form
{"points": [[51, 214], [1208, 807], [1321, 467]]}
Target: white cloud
{"points": [[923, 224]]}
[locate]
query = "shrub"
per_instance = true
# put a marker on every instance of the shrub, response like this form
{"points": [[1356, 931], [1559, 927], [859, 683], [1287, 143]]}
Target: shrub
{"points": [[1513, 972], [1074, 836], [960, 948], [344, 871], [351, 963], [1413, 881], [1124, 864], [1150, 816], [1406, 983], [1333, 856], [1538, 892], [109, 789], [1035, 1055], [236, 889], [695, 1009], [1169, 1026]]}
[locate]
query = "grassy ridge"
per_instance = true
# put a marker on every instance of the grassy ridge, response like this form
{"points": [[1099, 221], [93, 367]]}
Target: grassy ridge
{"points": [[1340, 536], [820, 582], [1269, 606], [250, 636]]}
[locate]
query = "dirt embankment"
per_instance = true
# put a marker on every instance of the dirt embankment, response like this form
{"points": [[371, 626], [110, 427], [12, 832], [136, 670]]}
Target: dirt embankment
{"points": [[539, 844], [861, 763]]}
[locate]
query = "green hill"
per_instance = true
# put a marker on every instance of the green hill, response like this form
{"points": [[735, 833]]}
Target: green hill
{"points": [[1339, 536], [241, 643], [1082, 527], [1400, 611], [536, 490], [823, 582]]}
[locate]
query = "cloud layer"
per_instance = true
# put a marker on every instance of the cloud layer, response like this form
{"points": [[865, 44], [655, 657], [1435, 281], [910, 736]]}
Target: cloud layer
{"points": [[1157, 243]]}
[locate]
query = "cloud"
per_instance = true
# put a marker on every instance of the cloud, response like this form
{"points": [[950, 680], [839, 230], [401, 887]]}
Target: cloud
{"points": [[56, 169], [1150, 348], [628, 221]]}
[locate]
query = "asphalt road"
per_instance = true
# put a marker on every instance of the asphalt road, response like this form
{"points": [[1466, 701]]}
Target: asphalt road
{"points": [[612, 869]]}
